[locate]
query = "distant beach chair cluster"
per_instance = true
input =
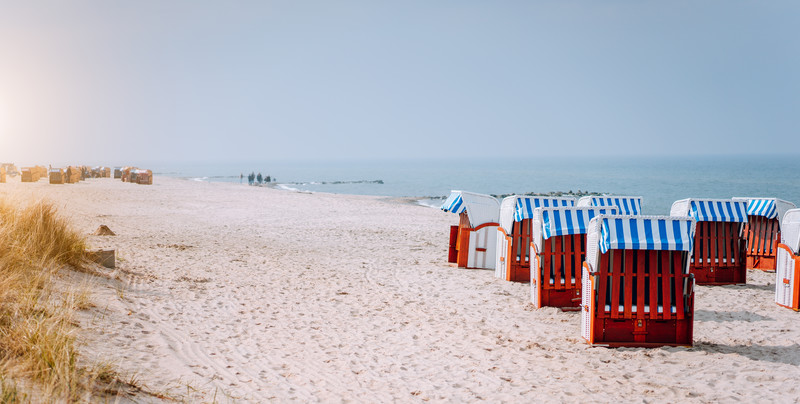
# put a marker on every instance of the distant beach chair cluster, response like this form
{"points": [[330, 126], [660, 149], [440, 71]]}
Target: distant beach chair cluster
{"points": [[75, 174], [632, 276]]}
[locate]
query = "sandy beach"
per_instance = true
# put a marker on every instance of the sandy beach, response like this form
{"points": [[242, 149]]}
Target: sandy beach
{"points": [[233, 293]]}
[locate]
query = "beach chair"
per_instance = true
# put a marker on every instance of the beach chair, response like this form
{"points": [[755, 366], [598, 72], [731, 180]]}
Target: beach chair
{"points": [[2, 174], [72, 175], [719, 245], [627, 205], [514, 234], [763, 230], [126, 174], [558, 248], [56, 176], [26, 174], [473, 241], [117, 172], [637, 288], [144, 177], [787, 268]]}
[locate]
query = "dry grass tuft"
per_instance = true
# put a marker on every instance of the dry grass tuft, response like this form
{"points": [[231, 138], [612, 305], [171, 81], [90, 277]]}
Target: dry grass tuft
{"points": [[38, 357]]}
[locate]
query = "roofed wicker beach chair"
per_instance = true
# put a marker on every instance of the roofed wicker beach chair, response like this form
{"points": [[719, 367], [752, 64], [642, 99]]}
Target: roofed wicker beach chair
{"points": [[57, 176], [628, 205], [72, 175], [27, 174], [719, 244], [473, 241], [126, 173], [787, 268], [144, 177], [558, 248], [514, 234], [637, 288], [763, 230]]}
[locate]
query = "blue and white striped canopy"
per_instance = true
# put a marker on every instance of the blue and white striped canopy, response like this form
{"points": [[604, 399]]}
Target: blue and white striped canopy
{"points": [[718, 211], [454, 203], [628, 205], [563, 221], [646, 233], [762, 207], [526, 205]]}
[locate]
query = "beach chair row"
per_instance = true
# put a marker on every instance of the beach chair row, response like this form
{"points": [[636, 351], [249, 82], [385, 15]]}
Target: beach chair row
{"points": [[643, 262], [74, 174]]}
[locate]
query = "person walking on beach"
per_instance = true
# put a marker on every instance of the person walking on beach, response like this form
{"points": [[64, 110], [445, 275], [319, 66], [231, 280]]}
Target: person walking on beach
{"points": [[259, 178], [241, 177]]}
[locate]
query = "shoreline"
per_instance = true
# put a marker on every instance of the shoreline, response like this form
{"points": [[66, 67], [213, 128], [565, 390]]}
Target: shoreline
{"points": [[414, 200]]}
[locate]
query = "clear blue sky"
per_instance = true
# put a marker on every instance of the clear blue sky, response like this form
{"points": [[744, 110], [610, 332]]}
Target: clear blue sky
{"points": [[116, 81]]}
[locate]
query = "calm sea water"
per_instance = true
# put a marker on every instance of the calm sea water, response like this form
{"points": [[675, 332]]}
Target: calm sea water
{"points": [[658, 180]]}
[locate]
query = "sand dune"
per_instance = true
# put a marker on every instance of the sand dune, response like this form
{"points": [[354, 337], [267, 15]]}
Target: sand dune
{"points": [[258, 295]]}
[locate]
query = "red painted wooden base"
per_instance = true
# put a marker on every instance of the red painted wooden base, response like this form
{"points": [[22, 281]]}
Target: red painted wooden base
{"points": [[557, 271], [640, 298], [518, 257], [719, 256], [644, 333], [762, 237], [452, 250], [565, 299]]}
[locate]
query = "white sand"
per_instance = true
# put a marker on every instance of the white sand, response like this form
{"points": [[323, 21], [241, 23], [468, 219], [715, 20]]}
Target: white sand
{"points": [[265, 295]]}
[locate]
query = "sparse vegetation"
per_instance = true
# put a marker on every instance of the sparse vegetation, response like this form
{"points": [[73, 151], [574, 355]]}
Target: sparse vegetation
{"points": [[38, 357]]}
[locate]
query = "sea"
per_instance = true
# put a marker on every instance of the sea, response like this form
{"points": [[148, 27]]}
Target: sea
{"points": [[658, 180]]}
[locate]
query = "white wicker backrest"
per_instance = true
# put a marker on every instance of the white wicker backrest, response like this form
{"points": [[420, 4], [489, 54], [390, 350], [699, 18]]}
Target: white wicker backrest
{"points": [[790, 230]]}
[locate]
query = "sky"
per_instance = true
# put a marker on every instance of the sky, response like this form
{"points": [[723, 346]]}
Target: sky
{"points": [[108, 82]]}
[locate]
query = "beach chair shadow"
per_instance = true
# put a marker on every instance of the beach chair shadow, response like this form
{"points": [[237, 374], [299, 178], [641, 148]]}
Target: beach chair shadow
{"points": [[722, 316], [789, 354]]}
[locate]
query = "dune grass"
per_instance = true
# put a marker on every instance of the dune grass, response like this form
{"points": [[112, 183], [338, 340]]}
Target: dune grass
{"points": [[38, 355]]}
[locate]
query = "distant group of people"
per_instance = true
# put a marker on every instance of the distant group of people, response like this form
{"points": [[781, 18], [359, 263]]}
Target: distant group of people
{"points": [[252, 178]]}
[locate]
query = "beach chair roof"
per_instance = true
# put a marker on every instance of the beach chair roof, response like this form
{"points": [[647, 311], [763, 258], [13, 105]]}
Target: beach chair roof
{"points": [[711, 210], [480, 208], [624, 232], [771, 208], [628, 205], [565, 220], [515, 208], [790, 230]]}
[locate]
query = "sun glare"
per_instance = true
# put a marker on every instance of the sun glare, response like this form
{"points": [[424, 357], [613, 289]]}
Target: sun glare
{"points": [[3, 117], [5, 136]]}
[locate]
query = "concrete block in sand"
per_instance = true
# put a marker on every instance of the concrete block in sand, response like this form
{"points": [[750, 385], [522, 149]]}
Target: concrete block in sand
{"points": [[106, 258]]}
